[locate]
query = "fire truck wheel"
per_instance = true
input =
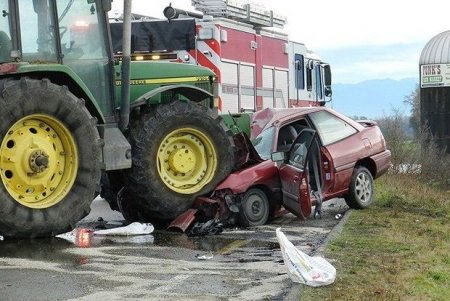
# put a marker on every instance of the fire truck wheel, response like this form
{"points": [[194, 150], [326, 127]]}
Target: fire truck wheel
{"points": [[360, 195], [51, 158], [254, 210], [180, 150]]}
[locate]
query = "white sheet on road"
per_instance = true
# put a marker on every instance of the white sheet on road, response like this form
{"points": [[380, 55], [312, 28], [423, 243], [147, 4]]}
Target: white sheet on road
{"points": [[132, 229], [302, 268]]}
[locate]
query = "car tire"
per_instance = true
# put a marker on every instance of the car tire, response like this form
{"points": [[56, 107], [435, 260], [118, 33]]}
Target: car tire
{"points": [[360, 195], [254, 209]]}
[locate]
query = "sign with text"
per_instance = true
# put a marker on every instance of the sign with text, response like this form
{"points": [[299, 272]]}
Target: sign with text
{"points": [[435, 75]]}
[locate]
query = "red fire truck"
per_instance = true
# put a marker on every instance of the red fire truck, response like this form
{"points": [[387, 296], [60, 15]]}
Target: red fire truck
{"points": [[256, 64]]}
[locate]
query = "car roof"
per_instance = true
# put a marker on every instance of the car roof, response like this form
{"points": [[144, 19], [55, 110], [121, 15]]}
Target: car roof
{"points": [[270, 116]]}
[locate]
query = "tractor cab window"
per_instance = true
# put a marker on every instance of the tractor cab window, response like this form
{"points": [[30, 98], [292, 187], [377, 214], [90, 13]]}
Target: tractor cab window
{"points": [[37, 32], [83, 37], [80, 34], [5, 34]]}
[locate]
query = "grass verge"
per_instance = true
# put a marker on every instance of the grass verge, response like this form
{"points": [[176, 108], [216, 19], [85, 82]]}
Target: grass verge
{"points": [[398, 249]]}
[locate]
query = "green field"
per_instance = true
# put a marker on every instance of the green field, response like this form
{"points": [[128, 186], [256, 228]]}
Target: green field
{"points": [[398, 249]]}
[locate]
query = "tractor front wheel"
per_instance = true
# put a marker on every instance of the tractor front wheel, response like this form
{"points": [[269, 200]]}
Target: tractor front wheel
{"points": [[180, 150]]}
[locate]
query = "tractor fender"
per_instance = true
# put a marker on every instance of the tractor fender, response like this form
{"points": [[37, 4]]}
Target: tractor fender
{"points": [[63, 76], [191, 92]]}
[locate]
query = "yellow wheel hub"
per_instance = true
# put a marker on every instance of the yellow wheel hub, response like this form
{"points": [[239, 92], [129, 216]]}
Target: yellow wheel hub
{"points": [[39, 161], [186, 160]]}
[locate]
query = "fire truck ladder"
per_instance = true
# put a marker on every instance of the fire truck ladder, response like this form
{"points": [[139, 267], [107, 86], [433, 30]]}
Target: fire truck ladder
{"points": [[253, 14]]}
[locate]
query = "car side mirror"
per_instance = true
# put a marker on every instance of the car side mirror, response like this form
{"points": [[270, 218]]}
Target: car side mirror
{"points": [[278, 156]]}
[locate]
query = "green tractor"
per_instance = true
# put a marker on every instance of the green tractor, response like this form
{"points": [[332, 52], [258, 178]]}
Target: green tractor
{"points": [[76, 120]]}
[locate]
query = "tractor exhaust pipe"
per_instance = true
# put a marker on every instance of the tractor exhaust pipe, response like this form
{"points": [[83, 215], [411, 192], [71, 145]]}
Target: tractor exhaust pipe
{"points": [[126, 59], [173, 13]]}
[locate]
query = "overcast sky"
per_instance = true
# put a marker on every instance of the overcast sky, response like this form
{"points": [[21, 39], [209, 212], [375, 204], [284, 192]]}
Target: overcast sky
{"points": [[360, 39]]}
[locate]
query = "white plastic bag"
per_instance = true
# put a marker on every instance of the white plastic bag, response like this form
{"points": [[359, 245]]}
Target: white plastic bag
{"points": [[132, 229], [312, 271]]}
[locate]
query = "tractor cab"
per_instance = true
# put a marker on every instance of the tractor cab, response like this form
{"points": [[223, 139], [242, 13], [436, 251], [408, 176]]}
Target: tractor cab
{"points": [[61, 32]]}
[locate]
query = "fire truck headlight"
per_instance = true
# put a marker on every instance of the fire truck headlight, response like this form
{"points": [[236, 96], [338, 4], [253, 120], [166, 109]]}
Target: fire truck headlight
{"points": [[205, 33], [186, 58]]}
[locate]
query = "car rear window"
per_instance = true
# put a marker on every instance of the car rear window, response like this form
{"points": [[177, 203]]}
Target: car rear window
{"points": [[331, 128]]}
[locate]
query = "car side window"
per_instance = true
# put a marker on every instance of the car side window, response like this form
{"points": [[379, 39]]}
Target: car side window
{"points": [[297, 156], [331, 128], [299, 151], [288, 133]]}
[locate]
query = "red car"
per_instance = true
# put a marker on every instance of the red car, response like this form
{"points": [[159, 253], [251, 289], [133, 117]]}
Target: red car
{"points": [[305, 156]]}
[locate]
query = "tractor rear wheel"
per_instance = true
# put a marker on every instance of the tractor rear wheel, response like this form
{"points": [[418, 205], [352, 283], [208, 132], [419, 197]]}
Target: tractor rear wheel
{"points": [[180, 150], [50, 158]]}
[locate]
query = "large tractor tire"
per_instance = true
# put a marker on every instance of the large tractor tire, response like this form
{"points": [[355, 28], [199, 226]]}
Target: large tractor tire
{"points": [[50, 158], [180, 151]]}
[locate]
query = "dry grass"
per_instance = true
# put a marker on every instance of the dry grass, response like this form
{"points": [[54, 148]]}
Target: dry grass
{"points": [[399, 249]]}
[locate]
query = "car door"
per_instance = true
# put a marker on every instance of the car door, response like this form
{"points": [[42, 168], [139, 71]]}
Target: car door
{"points": [[294, 175]]}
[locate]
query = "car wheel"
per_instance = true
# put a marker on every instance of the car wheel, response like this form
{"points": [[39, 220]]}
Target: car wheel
{"points": [[361, 189], [254, 209]]}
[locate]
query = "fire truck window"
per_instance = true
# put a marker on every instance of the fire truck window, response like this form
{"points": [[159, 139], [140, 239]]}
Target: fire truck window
{"points": [[309, 79], [299, 71], [318, 75]]}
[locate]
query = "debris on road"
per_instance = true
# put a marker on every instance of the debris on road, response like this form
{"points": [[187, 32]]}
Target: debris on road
{"points": [[207, 256], [338, 216], [312, 271], [211, 227], [132, 229]]}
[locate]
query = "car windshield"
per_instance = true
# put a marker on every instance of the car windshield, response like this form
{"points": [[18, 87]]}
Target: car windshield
{"points": [[263, 143]]}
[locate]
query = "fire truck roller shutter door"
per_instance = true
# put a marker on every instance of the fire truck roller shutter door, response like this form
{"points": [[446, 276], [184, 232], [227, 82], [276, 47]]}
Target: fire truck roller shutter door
{"points": [[230, 96], [281, 89], [247, 87], [267, 89]]}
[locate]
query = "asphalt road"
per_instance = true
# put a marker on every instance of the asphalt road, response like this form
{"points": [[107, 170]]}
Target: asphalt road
{"points": [[240, 264]]}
